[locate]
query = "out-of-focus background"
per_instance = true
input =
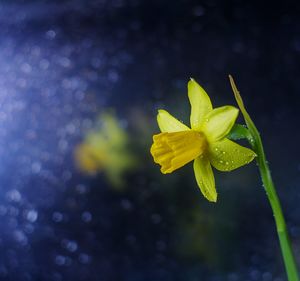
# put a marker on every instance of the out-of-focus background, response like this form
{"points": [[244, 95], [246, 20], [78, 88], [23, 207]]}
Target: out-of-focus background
{"points": [[80, 85]]}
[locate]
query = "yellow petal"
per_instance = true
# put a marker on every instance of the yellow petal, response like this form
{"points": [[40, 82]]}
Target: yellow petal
{"points": [[168, 123], [205, 178], [200, 104], [219, 122], [226, 155], [88, 160]]}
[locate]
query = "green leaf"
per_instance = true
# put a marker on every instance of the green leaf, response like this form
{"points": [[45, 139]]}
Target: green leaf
{"points": [[239, 132], [255, 139]]}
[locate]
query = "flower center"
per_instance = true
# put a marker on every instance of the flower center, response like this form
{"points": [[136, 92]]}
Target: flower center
{"points": [[174, 150]]}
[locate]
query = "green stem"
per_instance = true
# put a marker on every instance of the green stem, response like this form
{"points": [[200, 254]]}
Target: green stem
{"points": [[256, 142], [285, 244]]}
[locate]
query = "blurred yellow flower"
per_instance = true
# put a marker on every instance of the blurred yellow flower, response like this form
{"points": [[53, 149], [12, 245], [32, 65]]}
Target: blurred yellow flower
{"points": [[106, 150], [205, 142]]}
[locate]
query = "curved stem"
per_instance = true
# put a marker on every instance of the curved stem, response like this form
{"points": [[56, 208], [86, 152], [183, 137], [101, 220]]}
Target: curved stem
{"points": [[286, 249]]}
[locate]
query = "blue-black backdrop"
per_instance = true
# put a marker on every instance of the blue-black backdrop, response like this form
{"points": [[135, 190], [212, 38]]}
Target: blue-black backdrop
{"points": [[62, 63]]}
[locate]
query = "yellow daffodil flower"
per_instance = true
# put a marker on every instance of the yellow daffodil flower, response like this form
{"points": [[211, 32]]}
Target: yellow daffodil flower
{"points": [[106, 149], [205, 142]]}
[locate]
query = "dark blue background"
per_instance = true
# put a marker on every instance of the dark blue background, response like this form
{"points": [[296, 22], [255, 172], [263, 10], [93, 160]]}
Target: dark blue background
{"points": [[62, 63]]}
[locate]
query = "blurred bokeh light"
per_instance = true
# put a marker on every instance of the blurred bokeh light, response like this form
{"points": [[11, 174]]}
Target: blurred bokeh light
{"points": [[80, 85]]}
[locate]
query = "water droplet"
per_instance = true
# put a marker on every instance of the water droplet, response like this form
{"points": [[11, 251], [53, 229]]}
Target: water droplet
{"points": [[14, 195], [84, 258], [20, 237], [206, 120], [60, 260], [221, 161], [223, 152], [70, 245], [57, 217], [32, 215], [50, 34], [86, 216], [227, 163]]}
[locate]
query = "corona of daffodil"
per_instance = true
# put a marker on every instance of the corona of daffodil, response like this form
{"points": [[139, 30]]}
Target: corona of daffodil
{"points": [[205, 142]]}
